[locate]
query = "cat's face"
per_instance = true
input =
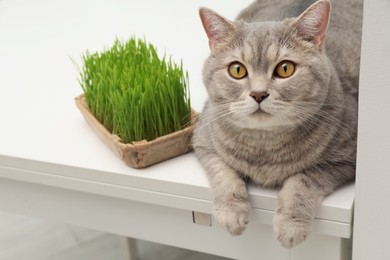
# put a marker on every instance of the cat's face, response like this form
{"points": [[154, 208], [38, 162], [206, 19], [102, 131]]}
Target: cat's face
{"points": [[264, 75]]}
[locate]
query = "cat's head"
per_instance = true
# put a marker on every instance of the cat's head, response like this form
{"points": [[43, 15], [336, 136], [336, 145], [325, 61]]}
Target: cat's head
{"points": [[267, 74]]}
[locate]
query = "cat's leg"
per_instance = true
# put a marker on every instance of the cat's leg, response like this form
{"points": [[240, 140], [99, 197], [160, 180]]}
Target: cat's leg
{"points": [[298, 200], [230, 195]]}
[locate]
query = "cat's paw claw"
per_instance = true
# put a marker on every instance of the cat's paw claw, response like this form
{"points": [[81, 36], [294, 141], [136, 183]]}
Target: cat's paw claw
{"points": [[291, 232], [234, 221]]}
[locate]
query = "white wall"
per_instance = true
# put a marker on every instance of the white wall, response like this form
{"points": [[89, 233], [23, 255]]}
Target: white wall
{"points": [[372, 208]]}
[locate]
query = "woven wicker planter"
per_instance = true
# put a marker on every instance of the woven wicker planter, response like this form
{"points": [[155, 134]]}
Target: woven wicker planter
{"points": [[142, 153]]}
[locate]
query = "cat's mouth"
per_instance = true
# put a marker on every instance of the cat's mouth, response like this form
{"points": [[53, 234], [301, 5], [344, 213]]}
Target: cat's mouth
{"points": [[251, 115], [258, 119], [260, 113]]}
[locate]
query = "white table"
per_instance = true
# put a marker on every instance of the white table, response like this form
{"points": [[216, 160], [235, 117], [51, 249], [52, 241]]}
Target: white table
{"points": [[53, 166]]}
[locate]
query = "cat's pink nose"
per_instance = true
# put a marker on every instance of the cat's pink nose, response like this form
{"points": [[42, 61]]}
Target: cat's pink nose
{"points": [[259, 96]]}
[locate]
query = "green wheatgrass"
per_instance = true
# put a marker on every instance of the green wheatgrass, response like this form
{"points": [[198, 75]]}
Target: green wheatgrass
{"points": [[135, 94]]}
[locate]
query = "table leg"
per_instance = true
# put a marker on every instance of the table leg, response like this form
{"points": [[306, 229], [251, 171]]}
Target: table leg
{"points": [[129, 248]]}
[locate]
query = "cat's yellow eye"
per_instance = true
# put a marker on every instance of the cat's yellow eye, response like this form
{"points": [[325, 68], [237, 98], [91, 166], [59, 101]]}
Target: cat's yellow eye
{"points": [[237, 70], [284, 69]]}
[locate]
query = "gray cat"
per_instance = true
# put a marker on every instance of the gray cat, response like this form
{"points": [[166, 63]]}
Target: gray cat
{"points": [[282, 108]]}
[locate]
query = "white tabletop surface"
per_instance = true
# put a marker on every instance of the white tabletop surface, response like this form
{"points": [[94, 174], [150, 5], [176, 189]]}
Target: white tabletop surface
{"points": [[43, 136]]}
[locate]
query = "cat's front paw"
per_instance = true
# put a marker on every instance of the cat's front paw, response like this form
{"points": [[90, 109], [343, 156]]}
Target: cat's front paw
{"points": [[291, 231], [234, 218]]}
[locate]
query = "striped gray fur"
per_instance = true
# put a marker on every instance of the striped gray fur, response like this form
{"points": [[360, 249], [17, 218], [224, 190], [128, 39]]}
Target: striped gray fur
{"points": [[302, 137]]}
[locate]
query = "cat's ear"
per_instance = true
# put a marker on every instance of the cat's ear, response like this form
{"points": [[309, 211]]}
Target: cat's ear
{"points": [[312, 24], [219, 30]]}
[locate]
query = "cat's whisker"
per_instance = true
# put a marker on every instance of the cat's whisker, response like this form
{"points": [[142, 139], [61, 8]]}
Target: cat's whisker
{"points": [[308, 103], [213, 117], [325, 121]]}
